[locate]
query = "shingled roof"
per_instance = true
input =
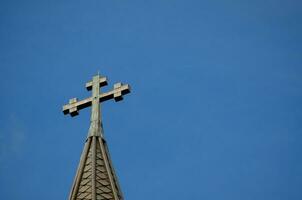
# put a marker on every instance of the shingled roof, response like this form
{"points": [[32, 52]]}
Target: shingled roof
{"points": [[95, 178]]}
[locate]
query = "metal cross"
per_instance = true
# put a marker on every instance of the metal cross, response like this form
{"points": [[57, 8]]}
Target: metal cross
{"points": [[97, 82]]}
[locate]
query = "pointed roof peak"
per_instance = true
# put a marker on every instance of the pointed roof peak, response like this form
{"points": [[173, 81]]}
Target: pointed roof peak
{"points": [[95, 178]]}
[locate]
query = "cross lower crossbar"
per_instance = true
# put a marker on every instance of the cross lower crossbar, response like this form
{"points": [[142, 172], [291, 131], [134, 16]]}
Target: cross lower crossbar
{"points": [[117, 94]]}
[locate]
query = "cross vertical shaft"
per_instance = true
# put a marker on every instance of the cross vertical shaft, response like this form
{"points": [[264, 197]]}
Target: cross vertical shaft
{"points": [[95, 120], [95, 129]]}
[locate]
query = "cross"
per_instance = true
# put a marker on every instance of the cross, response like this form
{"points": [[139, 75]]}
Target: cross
{"points": [[74, 106], [95, 146]]}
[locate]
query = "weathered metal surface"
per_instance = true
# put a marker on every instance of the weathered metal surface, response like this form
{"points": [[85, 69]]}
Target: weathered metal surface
{"points": [[117, 94], [95, 177]]}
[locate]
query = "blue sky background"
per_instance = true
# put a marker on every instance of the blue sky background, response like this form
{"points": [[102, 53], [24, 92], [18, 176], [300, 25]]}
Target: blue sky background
{"points": [[215, 111]]}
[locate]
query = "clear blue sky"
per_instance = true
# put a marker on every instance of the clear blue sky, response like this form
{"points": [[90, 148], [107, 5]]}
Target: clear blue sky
{"points": [[215, 112]]}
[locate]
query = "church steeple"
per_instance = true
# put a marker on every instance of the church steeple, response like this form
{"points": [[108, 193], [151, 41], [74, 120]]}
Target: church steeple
{"points": [[95, 177]]}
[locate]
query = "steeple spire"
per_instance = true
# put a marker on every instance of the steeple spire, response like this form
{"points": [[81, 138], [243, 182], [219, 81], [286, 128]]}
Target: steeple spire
{"points": [[95, 177]]}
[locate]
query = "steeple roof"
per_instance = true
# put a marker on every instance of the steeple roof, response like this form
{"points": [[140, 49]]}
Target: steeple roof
{"points": [[95, 178]]}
